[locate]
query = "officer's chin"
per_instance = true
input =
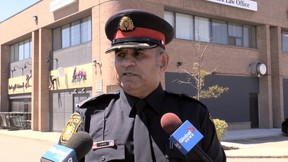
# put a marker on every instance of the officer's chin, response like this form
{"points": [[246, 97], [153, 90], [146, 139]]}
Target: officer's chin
{"points": [[128, 87]]}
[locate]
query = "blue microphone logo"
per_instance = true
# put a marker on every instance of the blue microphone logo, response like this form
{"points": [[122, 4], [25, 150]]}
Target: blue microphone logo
{"points": [[186, 137], [189, 135]]}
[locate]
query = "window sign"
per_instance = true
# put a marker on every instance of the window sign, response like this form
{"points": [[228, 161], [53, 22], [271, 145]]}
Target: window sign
{"points": [[244, 4]]}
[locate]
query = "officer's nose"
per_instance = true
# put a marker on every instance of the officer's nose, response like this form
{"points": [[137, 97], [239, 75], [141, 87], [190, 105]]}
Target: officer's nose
{"points": [[128, 61]]}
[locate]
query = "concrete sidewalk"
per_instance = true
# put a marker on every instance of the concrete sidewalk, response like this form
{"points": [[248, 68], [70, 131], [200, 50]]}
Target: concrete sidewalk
{"points": [[250, 143], [37, 135], [256, 143]]}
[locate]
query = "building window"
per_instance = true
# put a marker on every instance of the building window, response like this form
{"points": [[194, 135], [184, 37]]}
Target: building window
{"points": [[20, 105], [75, 33], [66, 36], [57, 39], [27, 49], [285, 41], [219, 32], [21, 50], [169, 17], [210, 30], [235, 34], [72, 34], [202, 29], [249, 36], [86, 30], [184, 26]]}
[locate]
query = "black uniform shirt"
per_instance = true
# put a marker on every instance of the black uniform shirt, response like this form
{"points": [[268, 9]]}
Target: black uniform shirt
{"points": [[111, 117]]}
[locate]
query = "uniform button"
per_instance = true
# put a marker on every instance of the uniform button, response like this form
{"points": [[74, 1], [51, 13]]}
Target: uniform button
{"points": [[103, 158]]}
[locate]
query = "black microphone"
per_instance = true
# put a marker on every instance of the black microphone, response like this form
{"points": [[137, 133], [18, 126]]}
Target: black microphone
{"points": [[170, 122], [79, 144]]}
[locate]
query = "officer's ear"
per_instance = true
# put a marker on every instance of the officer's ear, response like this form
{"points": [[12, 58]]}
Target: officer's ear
{"points": [[164, 58]]}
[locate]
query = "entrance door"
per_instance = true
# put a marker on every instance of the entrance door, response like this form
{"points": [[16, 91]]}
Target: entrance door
{"points": [[253, 106]]}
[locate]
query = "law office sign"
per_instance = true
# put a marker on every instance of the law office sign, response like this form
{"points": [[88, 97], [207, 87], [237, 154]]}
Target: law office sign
{"points": [[57, 4], [244, 4]]}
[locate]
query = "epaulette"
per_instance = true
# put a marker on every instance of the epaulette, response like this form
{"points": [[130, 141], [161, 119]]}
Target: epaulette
{"points": [[189, 98], [98, 98], [186, 97]]}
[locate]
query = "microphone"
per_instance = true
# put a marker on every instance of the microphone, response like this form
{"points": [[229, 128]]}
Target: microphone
{"points": [[74, 150], [184, 136]]}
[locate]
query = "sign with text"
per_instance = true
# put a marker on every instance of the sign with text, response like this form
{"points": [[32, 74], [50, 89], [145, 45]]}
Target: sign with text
{"points": [[57, 4], [244, 4]]}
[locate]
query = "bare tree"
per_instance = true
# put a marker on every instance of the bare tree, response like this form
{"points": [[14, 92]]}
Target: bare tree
{"points": [[199, 74]]}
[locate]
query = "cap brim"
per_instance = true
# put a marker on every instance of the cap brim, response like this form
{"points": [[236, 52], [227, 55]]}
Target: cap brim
{"points": [[130, 45]]}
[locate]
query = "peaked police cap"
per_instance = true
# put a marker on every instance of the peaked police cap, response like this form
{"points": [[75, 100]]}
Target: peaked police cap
{"points": [[134, 28]]}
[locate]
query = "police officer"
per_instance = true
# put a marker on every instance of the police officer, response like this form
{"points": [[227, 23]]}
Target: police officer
{"points": [[138, 40]]}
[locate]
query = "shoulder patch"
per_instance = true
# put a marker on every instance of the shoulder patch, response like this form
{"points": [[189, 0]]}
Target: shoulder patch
{"points": [[71, 127], [182, 95]]}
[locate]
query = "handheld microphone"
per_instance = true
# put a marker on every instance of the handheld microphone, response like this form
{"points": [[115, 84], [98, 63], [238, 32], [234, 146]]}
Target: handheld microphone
{"points": [[75, 149], [184, 136]]}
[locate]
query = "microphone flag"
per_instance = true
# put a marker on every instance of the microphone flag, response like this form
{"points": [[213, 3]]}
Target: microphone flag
{"points": [[185, 137], [60, 153]]}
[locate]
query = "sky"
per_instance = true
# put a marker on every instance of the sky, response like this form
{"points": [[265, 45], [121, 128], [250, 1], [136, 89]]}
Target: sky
{"points": [[11, 7]]}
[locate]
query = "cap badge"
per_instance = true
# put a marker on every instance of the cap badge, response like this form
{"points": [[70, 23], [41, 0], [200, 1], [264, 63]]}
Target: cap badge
{"points": [[126, 24]]}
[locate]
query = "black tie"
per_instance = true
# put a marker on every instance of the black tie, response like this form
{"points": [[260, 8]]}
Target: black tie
{"points": [[142, 142]]}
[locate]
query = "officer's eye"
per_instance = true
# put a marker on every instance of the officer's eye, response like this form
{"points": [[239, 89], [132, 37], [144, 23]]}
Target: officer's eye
{"points": [[120, 54], [138, 53]]}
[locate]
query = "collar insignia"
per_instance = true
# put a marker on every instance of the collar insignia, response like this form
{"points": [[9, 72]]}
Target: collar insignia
{"points": [[126, 24]]}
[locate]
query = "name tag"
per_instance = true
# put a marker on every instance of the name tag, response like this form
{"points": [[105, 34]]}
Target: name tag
{"points": [[103, 144]]}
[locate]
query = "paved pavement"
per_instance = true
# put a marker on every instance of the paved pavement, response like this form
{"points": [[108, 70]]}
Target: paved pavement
{"points": [[240, 144], [48, 136], [256, 143]]}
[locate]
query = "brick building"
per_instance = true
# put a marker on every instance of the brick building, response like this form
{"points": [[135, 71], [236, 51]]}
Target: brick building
{"points": [[53, 56]]}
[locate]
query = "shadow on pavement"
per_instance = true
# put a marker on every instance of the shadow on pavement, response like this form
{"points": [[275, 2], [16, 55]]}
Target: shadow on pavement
{"points": [[260, 140]]}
